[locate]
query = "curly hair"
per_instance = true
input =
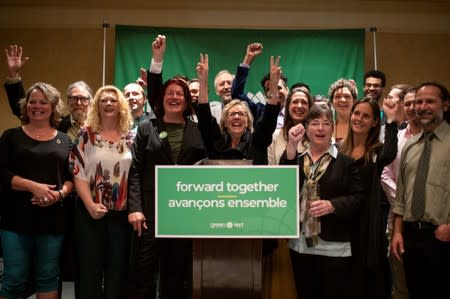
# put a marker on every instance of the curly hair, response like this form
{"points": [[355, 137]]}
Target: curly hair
{"points": [[340, 83], [51, 94], [93, 118], [159, 104]]}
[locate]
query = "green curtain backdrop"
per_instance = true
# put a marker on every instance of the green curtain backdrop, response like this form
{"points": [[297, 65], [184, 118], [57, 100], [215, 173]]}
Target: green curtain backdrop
{"points": [[315, 57]]}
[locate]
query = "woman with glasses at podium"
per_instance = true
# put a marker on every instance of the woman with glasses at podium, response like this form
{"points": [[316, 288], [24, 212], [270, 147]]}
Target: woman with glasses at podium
{"points": [[235, 138]]}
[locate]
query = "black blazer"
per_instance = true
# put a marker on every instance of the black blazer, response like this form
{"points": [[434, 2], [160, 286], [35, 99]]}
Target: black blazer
{"points": [[341, 185], [149, 149], [15, 92]]}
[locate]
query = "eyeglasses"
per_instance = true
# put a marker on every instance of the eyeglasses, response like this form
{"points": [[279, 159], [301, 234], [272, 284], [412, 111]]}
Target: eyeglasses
{"points": [[75, 99], [237, 114]]}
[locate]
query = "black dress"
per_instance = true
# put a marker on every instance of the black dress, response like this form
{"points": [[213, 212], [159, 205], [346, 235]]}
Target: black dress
{"points": [[370, 248]]}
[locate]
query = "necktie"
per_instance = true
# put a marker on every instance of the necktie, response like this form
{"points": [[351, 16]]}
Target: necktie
{"points": [[418, 198]]}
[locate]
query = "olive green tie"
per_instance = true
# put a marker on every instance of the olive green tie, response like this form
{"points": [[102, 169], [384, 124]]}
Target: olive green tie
{"points": [[418, 198]]}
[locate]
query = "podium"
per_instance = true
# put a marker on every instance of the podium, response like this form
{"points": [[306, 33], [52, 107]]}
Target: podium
{"points": [[227, 268], [228, 209]]}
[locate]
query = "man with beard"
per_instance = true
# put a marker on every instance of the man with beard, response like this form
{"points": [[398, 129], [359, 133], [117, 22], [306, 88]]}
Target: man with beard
{"points": [[374, 82], [422, 211], [79, 96]]}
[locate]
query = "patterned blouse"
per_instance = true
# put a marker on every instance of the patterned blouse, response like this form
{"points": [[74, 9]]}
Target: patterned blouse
{"points": [[104, 165]]}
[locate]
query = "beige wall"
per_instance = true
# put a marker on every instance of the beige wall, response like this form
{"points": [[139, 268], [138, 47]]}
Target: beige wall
{"points": [[66, 44]]}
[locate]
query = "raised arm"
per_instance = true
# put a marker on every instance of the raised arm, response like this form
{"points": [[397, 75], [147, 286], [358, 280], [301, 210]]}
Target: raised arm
{"points": [[207, 124], [264, 127], [390, 108], [253, 50], [14, 60], [237, 89], [154, 74], [142, 80], [238, 86], [13, 85], [202, 74]]}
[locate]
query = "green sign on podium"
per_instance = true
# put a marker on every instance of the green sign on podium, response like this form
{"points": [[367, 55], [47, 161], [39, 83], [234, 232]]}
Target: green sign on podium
{"points": [[227, 201]]}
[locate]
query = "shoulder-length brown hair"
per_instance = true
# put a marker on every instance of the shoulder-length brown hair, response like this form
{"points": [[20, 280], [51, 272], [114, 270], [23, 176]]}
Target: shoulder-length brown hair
{"points": [[373, 139], [51, 94], [288, 121], [159, 105]]}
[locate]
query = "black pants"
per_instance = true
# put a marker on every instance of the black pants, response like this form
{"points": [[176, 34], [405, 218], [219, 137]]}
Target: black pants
{"points": [[144, 265], [170, 258], [427, 262], [322, 277], [176, 268], [103, 248]]}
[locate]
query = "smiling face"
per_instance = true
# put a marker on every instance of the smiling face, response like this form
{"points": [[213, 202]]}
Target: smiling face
{"points": [[237, 120], [174, 101], [298, 106], [108, 105], [38, 108], [396, 96], [373, 87], [363, 119], [343, 101], [409, 107], [223, 86], [430, 107]]}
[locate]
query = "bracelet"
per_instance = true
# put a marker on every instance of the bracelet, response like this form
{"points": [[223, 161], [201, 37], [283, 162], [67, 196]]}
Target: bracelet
{"points": [[14, 80], [61, 194]]}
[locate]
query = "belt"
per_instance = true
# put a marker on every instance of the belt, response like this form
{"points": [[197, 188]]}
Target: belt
{"points": [[419, 225]]}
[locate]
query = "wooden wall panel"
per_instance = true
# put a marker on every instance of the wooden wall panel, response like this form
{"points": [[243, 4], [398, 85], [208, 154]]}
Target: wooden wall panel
{"points": [[58, 57]]}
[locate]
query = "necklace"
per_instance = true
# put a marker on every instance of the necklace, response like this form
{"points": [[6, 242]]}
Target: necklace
{"points": [[44, 134]]}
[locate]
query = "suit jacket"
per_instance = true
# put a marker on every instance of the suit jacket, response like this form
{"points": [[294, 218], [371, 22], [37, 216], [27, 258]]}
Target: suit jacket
{"points": [[15, 92], [341, 185], [149, 149], [238, 92]]}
